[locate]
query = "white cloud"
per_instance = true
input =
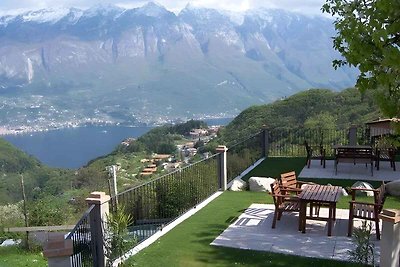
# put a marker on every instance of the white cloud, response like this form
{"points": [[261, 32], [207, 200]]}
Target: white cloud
{"points": [[306, 6]]}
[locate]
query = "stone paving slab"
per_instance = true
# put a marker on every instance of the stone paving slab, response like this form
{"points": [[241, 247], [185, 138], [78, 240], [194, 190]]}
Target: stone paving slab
{"points": [[350, 171], [252, 230]]}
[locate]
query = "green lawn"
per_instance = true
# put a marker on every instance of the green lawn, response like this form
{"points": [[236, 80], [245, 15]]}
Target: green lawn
{"points": [[16, 257], [188, 243], [273, 167]]}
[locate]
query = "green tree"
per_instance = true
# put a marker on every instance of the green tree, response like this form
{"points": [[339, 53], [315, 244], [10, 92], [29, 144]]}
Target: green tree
{"points": [[368, 37], [323, 121], [49, 210]]}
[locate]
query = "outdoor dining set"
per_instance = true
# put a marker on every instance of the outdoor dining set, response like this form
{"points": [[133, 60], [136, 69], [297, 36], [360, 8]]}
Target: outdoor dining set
{"points": [[291, 195], [352, 154]]}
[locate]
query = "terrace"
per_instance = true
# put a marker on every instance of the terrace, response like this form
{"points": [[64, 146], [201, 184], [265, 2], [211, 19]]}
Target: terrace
{"points": [[235, 227]]}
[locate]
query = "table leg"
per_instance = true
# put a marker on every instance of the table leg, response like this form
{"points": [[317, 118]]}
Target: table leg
{"points": [[330, 219], [303, 214]]}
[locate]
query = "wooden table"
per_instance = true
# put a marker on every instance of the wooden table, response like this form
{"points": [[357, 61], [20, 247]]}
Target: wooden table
{"points": [[316, 195]]}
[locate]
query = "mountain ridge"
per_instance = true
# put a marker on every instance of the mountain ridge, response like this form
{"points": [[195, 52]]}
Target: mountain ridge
{"points": [[150, 63]]}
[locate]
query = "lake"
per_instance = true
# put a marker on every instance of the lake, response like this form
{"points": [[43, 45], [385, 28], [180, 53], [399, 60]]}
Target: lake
{"points": [[74, 147]]}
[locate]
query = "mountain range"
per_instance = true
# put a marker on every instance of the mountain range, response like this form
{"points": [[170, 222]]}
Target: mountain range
{"points": [[110, 64]]}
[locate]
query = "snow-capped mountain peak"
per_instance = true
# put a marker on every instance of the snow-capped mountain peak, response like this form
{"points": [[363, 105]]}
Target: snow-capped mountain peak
{"points": [[152, 9], [45, 15], [103, 9]]}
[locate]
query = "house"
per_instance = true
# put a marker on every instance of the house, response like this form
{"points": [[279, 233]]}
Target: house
{"points": [[188, 145], [196, 133], [127, 141], [382, 127], [160, 157], [190, 152]]}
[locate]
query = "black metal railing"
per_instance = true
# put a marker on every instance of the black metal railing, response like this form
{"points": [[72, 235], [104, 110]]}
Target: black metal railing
{"points": [[243, 154], [83, 242], [160, 201], [290, 142]]}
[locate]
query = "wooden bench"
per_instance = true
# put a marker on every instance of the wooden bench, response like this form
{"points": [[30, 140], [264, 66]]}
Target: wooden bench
{"points": [[367, 211], [354, 154]]}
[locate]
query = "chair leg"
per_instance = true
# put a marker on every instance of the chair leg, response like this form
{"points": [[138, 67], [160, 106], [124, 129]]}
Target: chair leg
{"points": [[372, 168], [336, 167], [350, 226], [378, 234], [279, 215], [274, 220]]}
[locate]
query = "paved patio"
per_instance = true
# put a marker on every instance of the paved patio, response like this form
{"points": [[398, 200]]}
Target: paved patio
{"points": [[351, 171], [252, 230]]}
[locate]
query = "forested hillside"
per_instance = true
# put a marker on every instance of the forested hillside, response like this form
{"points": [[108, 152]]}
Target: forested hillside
{"points": [[310, 109], [39, 179]]}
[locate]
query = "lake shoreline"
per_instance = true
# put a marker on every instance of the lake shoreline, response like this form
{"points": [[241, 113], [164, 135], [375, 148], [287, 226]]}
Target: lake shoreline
{"points": [[22, 130]]}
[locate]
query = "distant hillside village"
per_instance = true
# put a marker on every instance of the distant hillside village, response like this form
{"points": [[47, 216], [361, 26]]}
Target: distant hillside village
{"points": [[186, 150]]}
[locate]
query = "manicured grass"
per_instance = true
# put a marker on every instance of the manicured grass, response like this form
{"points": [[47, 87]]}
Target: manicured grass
{"points": [[189, 243], [16, 257], [273, 167]]}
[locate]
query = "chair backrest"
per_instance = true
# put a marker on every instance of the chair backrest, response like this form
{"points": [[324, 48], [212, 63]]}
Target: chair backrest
{"points": [[308, 148], [276, 191], [380, 196], [289, 179]]}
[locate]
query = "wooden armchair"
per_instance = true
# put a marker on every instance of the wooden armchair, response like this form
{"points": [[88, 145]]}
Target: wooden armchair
{"points": [[289, 182], [367, 211], [283, 202], [291, 185], [385, 154], [315, 154]]}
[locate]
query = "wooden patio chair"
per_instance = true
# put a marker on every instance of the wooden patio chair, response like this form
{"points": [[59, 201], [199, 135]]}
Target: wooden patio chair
{"points": [[385, 154], [367, 211], [291, 185], [318, 153], [289, 182], [283, 202]]}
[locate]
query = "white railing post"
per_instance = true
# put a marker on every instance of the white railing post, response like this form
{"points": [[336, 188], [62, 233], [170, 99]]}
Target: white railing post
{"points": [[100, 213], [222, 169], [390, 241]]}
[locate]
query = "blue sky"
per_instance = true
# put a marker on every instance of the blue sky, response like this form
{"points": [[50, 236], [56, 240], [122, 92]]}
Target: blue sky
{"points": [[311, 7]]}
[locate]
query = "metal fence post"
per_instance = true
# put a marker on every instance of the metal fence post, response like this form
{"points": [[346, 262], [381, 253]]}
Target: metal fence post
{"points": [[353, 135], [100, 212], [222, 170], [58, 250], [265, 143], [390, 242]]}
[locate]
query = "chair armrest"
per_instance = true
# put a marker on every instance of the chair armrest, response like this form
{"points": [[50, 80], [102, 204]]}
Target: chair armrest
{"points": [[292, 189], [287, 196], [304, 182]]}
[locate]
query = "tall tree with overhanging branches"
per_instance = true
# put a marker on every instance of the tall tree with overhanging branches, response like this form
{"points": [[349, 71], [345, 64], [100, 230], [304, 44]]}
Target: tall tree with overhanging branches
{"points": [[368, 37]]}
